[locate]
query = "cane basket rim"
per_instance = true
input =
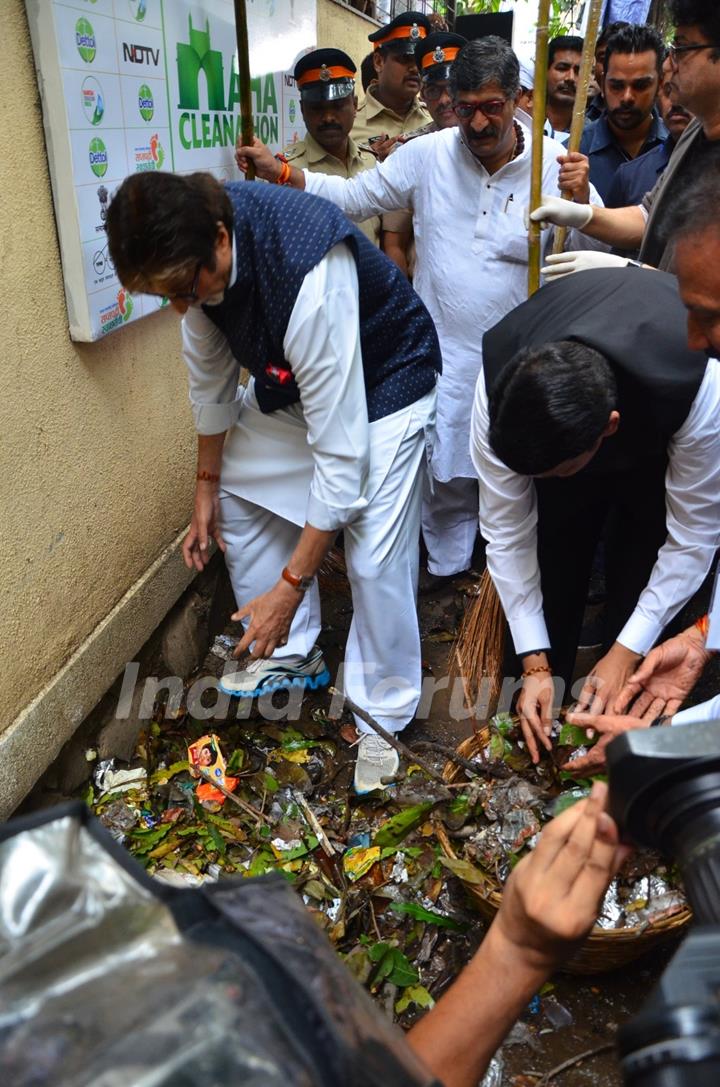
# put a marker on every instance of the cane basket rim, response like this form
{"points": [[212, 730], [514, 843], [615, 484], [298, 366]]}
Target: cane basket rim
{"points": [[604, 949]]}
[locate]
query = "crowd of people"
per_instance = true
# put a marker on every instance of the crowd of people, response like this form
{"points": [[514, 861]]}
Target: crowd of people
{"points": [[419, 390]]}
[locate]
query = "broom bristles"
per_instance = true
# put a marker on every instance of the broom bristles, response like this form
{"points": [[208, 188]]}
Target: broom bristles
{"points": [[479, 648]]}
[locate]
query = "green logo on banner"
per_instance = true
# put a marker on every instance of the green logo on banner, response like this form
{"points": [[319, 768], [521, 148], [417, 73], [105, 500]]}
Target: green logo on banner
{"points": [[192, 58], [92, 100], [98, 156], [219, 127], [291, 111], [146, 103], [85, 40], [138, 9]]}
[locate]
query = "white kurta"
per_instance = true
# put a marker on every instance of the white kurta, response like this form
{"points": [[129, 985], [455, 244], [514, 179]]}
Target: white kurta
{"points": [[508, 521], [472, 254], [323, 463]]}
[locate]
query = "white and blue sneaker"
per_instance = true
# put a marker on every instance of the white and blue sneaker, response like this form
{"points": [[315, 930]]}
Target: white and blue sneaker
{"points": [[377, 764], [263, 675]]}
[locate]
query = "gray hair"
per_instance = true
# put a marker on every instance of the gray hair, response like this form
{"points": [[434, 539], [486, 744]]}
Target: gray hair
{"points": [[698, 209], [485, 60]]}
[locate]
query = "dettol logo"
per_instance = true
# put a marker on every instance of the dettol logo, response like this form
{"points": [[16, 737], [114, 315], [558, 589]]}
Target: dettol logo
{"points": [[98, 156], [92, 100], [292, 111], [146, 103], [85, 40]]}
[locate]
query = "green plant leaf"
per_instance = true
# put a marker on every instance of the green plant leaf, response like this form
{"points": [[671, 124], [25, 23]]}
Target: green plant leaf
{"points": [[413, 909], [414, 994], [464, 870], [396, 828], [572, 736]]}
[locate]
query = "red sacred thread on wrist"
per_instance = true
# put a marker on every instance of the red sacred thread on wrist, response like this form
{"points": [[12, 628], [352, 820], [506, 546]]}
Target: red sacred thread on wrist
{"points": [[703, 625], [208, 477]]}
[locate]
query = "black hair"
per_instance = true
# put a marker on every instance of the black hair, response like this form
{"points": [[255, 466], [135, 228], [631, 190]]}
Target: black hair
{"points": [[608, 31], [635, 38], [569, 42], [550, 404], [367, 71], [699, 208], [704, 14], [160, 225], [485, 60]]}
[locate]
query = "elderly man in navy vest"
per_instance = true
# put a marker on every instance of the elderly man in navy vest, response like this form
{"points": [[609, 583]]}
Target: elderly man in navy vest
{"points": [[330, 433], [592, 416]]}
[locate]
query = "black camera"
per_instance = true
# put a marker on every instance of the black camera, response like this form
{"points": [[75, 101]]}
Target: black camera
{"points": [[665, 794]]}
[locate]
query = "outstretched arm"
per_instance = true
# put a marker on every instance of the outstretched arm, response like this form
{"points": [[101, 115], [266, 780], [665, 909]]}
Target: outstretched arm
{"points": [[550, 903]]}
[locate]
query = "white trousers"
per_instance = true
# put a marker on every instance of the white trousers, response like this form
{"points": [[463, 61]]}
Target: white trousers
{"points": [[382, 668], [450, 525]]}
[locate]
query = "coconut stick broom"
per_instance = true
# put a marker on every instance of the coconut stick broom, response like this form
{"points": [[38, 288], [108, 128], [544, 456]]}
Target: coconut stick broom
{"points": [[480, 645]]}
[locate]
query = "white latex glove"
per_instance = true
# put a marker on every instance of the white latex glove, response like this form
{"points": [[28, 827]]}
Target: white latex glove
{"points": [[564, 264], [556, 212]]}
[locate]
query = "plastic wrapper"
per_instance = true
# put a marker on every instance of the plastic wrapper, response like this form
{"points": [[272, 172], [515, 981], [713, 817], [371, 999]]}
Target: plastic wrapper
{"points": [[109, 978], [224, 646]]}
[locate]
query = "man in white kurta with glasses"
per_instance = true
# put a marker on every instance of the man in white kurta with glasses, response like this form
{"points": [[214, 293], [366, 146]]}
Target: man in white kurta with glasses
{"points": [[468, 188]]}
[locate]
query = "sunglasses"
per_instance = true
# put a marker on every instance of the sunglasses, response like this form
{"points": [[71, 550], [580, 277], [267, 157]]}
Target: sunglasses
{"points": [[492, 109]]}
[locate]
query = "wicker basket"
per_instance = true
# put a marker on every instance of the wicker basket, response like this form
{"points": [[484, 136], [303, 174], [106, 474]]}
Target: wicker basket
{"points": [[604, 949]]}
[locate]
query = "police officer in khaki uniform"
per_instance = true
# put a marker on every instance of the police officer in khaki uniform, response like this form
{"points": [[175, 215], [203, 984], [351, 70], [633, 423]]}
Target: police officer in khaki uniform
{"points": [[433, 56], [391, 103], [326, 82]]}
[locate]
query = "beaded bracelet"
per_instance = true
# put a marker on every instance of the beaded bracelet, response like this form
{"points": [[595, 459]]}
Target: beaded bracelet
{"points": [[208, 477], [534, 671]]}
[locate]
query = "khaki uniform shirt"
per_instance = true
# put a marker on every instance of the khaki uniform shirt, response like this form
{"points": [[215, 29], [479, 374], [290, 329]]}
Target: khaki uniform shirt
{"points": [[373, 119], [307, 154]]}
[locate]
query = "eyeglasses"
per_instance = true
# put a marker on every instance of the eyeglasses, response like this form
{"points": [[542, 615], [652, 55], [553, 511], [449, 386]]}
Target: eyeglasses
{"points": [[467, 110], [191, 295], [676, 50], [182, 296], [434, 91]]}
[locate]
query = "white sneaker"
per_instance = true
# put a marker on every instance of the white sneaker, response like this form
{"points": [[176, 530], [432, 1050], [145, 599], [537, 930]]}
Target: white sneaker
{"points": [[376, 760], [263, 675]]}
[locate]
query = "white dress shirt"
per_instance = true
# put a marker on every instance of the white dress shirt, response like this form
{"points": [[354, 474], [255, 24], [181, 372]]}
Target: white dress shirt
{"points": [[508, 521], [265, 457], [472, 254]]}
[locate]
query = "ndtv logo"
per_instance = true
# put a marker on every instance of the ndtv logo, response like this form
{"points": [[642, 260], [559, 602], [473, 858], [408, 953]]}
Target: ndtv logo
{"points": [[141, 54]]}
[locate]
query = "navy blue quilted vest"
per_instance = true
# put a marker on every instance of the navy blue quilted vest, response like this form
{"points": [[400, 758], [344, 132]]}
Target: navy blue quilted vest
{"points": [[280, 234]]}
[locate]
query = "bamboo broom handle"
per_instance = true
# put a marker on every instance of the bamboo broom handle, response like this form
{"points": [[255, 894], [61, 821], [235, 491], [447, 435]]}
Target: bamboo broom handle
{"points": [[578, 118], [536, 162], [243, 51]]}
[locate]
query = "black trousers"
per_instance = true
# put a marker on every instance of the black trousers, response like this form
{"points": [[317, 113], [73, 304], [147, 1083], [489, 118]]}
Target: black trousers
{"points": [[627, 511]]}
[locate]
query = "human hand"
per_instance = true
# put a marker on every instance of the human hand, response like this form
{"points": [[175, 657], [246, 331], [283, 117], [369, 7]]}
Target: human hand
{"points": [[270, 617], [609, 726], [267, 167], [554, 211], [574, 176], [607, 679], [583, 260], [203, 527], [666, 676], [552, 897], [535, 705], [383, 145]]}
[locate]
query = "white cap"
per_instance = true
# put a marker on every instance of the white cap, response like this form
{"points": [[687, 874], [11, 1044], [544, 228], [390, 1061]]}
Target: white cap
{"points": [[527, 71]]}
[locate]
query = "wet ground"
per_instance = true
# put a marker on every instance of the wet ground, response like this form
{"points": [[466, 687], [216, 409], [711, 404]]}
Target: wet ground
{"points": [[574, 1015]]}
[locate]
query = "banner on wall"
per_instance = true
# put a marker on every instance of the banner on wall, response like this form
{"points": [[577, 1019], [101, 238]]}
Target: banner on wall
{"points": [[131, 85]]}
